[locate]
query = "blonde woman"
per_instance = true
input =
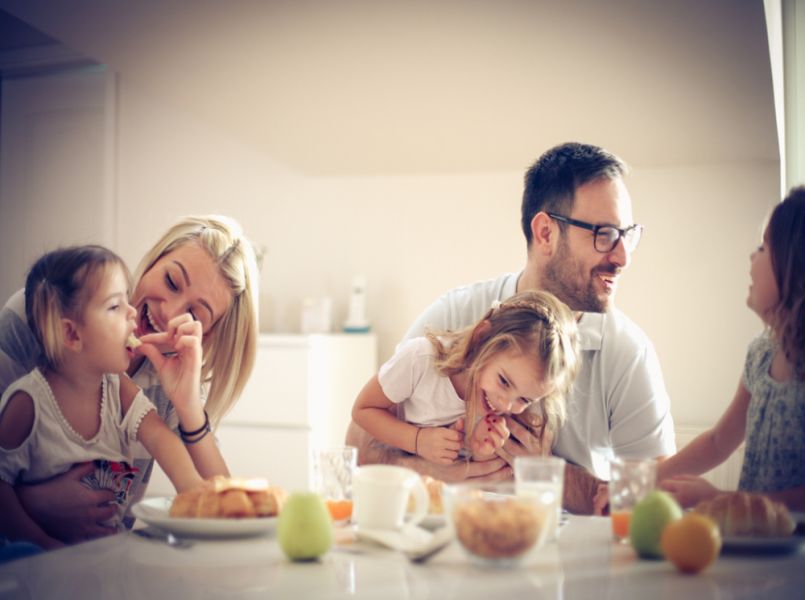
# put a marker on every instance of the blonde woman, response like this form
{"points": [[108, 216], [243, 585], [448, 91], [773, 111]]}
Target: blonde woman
{"points": [[202, 266], [520, 356]]}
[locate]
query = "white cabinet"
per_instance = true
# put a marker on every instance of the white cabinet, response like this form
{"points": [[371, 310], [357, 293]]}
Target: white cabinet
{"points": [[299, 397]]}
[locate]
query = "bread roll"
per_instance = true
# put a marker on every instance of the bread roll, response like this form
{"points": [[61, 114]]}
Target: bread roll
{"points": [[229, 498], [744, 514]]}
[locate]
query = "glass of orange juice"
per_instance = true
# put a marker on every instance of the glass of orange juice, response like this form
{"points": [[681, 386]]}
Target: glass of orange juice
{"points": [[629, 481], [333, 469]]}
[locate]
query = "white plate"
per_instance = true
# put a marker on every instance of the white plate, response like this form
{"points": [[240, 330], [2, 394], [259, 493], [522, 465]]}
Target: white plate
{"points": [[760, 545], [769, 545], [154, 511]]}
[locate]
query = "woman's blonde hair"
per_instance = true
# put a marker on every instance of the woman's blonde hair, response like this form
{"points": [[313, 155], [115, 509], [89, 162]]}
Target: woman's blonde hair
{"points": [[534, 323], [230, 346], [58, 286]]}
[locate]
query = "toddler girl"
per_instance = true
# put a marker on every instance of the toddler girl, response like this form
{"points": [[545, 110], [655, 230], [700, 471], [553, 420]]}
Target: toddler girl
{"points": [[76, 406], [768, 410], [521, 356]]}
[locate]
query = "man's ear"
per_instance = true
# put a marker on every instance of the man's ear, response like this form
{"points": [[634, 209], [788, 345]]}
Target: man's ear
{"points": [[544, 233], [71, 335]]}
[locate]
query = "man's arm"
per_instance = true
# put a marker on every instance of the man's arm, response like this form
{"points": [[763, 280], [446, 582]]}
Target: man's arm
{"points": [[529, 437], [370, 451]]}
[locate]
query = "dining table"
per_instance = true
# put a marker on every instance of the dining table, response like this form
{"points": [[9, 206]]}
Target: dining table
{"points": [[582, 562]]}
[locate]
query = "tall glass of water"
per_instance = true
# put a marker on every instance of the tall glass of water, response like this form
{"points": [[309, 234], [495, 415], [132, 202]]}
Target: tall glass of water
{"points": [[542, 476]]}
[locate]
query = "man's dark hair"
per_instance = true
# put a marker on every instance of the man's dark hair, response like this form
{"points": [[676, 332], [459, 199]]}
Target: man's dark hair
{"points": [[552, 181]]}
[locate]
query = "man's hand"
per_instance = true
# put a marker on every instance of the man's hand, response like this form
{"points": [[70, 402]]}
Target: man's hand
{"points": [[601, 500], [460, 470], [67, 509], [438, 444], [525, 441]]}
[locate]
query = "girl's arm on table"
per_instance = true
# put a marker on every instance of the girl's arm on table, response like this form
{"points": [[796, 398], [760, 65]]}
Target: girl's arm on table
{"points": [[715, 445], [371, 451]]}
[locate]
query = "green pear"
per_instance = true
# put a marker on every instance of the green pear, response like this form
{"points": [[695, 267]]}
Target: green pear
{"points": [[304, 528], [649, 517]]}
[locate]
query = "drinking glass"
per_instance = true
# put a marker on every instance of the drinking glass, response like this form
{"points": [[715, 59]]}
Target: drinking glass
{"points": [[629, 481], [542, 476], [333, 469]]}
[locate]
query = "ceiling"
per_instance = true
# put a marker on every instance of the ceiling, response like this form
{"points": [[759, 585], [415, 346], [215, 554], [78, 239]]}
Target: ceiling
{"points": [[360, 87]]}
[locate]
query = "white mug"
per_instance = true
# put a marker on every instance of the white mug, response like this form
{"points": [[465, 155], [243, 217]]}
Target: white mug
{"points": [[380, 494]]}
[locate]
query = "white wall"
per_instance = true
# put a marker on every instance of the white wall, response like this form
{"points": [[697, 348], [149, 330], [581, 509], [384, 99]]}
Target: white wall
{"points": [[701, 191], [414, 237]]}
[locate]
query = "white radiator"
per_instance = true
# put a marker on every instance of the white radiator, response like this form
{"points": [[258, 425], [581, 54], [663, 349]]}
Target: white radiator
{"points": [[726, 475]]}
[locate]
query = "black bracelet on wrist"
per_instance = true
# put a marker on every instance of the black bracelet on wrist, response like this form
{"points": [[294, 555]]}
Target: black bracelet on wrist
{"points": [[188, 442], [200, 429], [193, 437]]}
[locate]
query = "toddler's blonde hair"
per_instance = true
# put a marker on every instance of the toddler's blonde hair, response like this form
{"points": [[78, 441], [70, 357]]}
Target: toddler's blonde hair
{"points": [[536, 324], [59, 285]]}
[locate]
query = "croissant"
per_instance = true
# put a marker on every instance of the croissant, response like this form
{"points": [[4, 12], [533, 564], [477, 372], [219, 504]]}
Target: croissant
{"points": [[225, 498], [744, 514], [434, 488]]}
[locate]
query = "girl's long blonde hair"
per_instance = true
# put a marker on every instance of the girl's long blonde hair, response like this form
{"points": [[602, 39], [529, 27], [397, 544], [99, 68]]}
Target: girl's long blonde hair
{"points": [[230, 346], [536, 324]]}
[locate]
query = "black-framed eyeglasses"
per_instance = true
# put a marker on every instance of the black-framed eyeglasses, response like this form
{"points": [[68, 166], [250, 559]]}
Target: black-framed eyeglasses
{"points": [[606, 237]]}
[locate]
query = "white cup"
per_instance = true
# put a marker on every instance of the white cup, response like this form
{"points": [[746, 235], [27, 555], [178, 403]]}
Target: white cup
{"points": [[380, 494]]}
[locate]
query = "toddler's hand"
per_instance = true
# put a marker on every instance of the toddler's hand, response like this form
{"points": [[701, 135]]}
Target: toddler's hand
{"points": [[440, 445], [488, 435]]}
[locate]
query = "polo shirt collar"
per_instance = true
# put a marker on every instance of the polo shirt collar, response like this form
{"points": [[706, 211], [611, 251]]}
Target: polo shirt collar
{"points": [[591, 330]]}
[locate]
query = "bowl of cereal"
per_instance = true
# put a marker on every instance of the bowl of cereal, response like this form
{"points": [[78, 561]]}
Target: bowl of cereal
{"points": [[493, 524]]}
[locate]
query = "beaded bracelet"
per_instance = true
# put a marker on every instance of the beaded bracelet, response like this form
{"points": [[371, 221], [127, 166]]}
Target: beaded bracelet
{"points": [[189, 437]]}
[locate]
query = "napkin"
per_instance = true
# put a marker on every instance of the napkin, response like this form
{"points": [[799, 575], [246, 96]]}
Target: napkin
{"points": [[411, 538]]}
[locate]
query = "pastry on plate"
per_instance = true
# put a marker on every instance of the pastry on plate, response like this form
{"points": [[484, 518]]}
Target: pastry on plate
{"points": [[741, 514], [229, 498], [435, 488]]}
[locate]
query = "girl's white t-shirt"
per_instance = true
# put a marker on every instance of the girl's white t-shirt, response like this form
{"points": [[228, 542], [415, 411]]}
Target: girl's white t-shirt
{"points": [[410, 380]]}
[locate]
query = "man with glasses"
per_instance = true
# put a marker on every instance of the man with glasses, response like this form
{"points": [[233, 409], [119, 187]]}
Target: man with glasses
{"points": [[580, 235]]}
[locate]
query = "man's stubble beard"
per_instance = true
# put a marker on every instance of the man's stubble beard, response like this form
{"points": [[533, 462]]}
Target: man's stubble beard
{"points": [[567, 279]]}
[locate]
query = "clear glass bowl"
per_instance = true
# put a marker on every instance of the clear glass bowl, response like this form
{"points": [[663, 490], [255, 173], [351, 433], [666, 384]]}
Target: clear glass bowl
{"points": [[495, 526]]}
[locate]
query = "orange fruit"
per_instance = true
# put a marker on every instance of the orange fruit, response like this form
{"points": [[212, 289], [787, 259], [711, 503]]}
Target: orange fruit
{"points": [[692, 543]]}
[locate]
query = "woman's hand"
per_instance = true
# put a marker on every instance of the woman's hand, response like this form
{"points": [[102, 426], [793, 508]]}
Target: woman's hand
{"points": [[179, 369], [438, 444], [66, 509], [689, 490]]}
